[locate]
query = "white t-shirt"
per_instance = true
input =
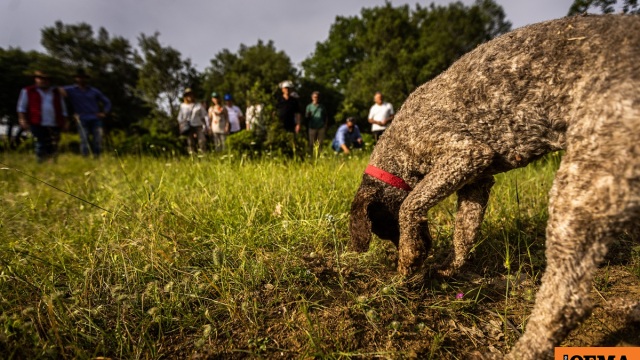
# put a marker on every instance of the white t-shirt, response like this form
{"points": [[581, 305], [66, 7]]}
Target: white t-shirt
{"points": [[234, 117], [254, 116], [379, 113]]}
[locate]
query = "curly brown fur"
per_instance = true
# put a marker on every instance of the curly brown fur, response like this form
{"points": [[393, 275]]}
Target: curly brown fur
{"points": [[567, 84]]}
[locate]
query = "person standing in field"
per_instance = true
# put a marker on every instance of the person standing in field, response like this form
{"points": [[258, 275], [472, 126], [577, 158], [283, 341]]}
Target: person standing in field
{"points": [[191, 119], [380, 115], [317, 120], [288, 108], [254, 116], [41, 110], [348, 136], [219, 122], [90, 107], [234, 113]]}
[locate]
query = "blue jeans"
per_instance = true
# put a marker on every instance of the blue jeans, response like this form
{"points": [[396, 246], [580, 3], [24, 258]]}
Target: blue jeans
{"points": [[93, 128], [46, 141]]}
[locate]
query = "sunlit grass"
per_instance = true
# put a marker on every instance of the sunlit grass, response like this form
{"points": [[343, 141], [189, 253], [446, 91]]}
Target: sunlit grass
{"points": [[226, 256]]}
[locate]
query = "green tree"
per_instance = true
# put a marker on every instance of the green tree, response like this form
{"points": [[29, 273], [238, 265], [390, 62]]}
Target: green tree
{"points": [[395, 49], [110, 61], [258, 67], [606, 6], [73, 44], [16, 71], [388, 42], [14, 67], [163, 76], [333, 60]]}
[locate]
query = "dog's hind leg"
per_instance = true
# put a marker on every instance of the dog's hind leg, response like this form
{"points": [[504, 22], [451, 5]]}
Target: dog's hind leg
{"points": [[472, 203], [464, 161], [594, 197]]}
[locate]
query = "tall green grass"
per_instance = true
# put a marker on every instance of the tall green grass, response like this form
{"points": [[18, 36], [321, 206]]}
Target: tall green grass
{"points": [[229, 257], [181, 251]]}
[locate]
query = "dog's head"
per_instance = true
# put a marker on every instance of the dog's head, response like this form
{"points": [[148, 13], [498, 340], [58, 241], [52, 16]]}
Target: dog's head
{"points": [[375, 208]]}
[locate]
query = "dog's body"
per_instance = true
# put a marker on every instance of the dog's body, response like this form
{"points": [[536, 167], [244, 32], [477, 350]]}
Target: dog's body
{"points": [[571, 84]]}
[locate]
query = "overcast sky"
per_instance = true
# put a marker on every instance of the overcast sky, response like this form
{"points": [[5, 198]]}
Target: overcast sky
{"points": [[199, 29]]}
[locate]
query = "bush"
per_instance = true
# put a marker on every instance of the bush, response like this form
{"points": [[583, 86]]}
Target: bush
{"points": [[245, 142], [282, 142], [156, 145]]}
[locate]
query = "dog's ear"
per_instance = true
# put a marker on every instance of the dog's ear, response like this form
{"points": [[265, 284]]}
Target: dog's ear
{"points": [[360, 224]]}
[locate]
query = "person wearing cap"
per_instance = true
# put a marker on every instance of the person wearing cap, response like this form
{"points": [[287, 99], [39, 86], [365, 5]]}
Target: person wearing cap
{"points": [[191, 119], [347, 136], [41, 109], [235, 114], [219, 122], [288, 108], [380, 115], [90, 107]]}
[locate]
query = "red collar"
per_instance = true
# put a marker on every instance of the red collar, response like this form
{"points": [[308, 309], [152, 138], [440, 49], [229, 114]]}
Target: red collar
{"points": [[387, 178]]}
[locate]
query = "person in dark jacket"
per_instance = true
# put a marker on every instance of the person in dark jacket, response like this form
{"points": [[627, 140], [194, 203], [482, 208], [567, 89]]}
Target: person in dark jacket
{"points": [[288, 108], [90, 107]]}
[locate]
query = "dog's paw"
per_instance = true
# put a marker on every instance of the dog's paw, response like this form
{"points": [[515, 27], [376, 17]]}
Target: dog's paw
{"points": [[447, 271], [410, 267], [415, 278]]}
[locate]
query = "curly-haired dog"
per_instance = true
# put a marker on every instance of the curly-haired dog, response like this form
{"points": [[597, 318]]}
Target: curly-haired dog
{"points": [[568, 84]]}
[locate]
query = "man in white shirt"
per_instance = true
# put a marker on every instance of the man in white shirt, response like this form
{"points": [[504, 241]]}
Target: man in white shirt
{"points": [[380, 115], [235, 114]]}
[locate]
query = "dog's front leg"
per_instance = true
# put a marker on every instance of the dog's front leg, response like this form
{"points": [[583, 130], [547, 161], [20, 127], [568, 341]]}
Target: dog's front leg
{"points": [[466, 160], [415, 239], [472, 203]]}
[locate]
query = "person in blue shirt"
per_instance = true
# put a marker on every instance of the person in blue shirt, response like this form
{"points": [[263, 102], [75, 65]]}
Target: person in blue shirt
{"points": [[90, 107], [347, 136]]}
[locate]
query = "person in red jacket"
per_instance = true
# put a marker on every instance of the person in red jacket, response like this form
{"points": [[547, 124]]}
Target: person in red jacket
{"points": [[42, 111]]}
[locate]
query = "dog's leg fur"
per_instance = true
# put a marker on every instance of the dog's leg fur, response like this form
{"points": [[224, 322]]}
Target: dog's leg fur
{"points": [[471, 158], [472, 203], [591, 203], [576, 244]]}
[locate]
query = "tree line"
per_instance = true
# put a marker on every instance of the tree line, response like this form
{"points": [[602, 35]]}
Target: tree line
{"points": [[385, 48]]}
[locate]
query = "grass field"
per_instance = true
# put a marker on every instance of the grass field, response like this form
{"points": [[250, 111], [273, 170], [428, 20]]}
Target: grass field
{"points": [[225, 257]]}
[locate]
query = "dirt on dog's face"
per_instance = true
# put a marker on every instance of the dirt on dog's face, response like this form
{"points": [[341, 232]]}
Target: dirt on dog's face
{"points": [[375, 209]]}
